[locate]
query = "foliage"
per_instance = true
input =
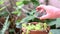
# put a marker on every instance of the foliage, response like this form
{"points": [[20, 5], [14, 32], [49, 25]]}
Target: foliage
{"points": [[6, 13], [30, 27], [2, 8], [30, 16], [35, 2], [5, 26], [17, 12], [19, 2], [1, 1], [54, 31], [57, 22], [26, 2]]}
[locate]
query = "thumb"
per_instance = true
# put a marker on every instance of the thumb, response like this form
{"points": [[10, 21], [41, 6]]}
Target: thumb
{"points": [[44, 17]]}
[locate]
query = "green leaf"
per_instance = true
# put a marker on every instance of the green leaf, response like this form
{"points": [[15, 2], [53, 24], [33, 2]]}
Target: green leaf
{"points": [[26, 2], [26, 19], [29, 28], [24, 25], [17, 12], [33, 27], [19, 7], [35, 2], [32, 12], [57, 22], [4, 13], [37, 28], [18, 20], [45, 25], [54, 31], [11, 30], [2, 8], [1, 2], [19, 3]]}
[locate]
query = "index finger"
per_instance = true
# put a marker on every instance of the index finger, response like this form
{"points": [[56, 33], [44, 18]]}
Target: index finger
{"points": [[41, 7]]}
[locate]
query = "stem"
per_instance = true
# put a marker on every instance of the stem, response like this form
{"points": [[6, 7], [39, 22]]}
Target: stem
{"points": [[5, 26]]}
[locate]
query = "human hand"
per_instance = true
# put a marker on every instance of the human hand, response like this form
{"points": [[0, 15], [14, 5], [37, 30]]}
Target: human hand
{"points": [[52, 12]]}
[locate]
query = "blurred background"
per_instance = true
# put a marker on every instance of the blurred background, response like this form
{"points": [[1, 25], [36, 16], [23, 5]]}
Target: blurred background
{"points": [[15, 12]]}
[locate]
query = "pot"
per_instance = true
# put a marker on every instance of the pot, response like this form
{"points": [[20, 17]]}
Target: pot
{"points": [[38, 32]]}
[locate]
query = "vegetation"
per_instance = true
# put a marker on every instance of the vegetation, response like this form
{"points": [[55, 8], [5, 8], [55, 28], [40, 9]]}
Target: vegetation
{"points": [[36, 27], [12, 10]]}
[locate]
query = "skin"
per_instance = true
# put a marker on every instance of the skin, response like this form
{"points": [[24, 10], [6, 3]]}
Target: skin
{"points": [[52, 12]]}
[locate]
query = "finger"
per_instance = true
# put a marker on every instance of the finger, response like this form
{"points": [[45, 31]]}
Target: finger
{"points": [[38, 8], [41, 7], [45, 17]]}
